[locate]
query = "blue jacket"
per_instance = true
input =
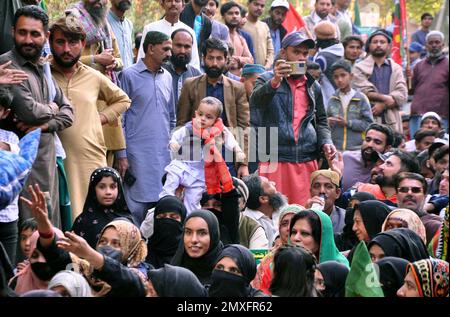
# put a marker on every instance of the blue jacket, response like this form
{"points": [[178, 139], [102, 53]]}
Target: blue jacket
{"points": [[273, 108]]}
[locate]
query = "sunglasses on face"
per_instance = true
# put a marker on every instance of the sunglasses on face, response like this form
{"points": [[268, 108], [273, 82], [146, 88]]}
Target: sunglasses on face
{"points": [[414, 190]]}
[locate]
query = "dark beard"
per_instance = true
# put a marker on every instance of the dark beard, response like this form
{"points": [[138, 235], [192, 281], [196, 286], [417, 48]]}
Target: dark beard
{"points": [[277, 200], [123, 5], [214, 72], [29, 56], [384, 181], [369, 158], [378, 54], [232, 25], [180, 60], [97, 14], [65, 64]]}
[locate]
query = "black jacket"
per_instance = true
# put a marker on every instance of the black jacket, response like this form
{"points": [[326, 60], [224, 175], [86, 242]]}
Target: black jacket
{"points": [[187, 16]]}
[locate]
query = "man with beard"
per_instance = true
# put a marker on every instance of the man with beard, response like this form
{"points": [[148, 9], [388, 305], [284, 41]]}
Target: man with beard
{"points": [[322, 12], [218, 30], [263, 204], [358, 164], [430, 83], [148, 123], [171, 22], [231, 93], [67, 41], [102, 53], [382, 81], [194, 17], [260, 33], [123, 29], [277, 15], [411, 192], [231, 14], [178, 65], [33, 106], [382, 186], [290, 107]]}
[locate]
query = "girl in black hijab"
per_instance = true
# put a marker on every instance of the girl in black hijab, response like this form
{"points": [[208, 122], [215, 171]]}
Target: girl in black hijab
{"points": [[200, 246], [175, 281], [400, 242], [168, 219], [233, 272], [392, 273], [95, 215], [334, 275]]}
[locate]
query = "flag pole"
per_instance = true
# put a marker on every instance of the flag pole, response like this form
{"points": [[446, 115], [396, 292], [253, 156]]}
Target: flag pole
{"points": [[408, 56]]}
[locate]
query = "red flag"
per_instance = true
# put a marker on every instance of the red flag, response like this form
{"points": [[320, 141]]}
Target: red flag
{"points": [[293, 21], [399, 34]]}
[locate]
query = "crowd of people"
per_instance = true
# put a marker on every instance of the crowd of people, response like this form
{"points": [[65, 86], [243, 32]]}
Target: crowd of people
{"points": [[225, 156]]}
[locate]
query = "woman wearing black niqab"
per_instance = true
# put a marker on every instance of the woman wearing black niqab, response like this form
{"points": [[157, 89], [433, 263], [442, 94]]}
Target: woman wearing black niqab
{"points": [[334, 275], [392, 273], [168, 219]]}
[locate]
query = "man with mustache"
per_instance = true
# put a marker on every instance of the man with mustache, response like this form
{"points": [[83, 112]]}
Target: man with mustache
{"points": [[214, 84], [178, 65], [102, 53], [263, 204], [123, 29], [277, 15], [67, 41], [322, 12], [34, 104], [148, 123], [168, 24], [382, 182], [260, 33], [430, 84], [411, 192], [358, 164], [382, 81], [231, 14], [194, 17]]}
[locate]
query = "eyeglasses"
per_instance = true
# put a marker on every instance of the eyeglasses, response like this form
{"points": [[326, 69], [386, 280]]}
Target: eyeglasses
{"points": [[414, 190]]}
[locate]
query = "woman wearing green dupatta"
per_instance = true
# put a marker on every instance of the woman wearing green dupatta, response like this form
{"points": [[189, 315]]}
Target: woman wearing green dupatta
{"points": [[313, 230]]}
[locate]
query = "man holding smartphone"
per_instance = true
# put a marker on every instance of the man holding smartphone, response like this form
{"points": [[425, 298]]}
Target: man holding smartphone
{"points": [[292, 104]]}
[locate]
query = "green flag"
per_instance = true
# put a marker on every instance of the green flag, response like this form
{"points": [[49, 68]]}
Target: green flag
{"points": [[43, 5], [357, 16], [362, 280]]}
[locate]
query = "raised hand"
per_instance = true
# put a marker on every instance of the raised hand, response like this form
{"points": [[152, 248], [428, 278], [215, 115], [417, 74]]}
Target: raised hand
{"points": [[77, 245], [38, 208], [10, 76]]}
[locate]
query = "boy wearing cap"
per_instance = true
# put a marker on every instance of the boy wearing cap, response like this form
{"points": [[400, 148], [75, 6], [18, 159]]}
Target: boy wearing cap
{"points": [[349, 113], [293, 106], [382, 81]]}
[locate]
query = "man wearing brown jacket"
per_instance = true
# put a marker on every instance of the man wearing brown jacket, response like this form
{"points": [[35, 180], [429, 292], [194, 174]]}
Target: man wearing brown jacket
{"points": [[213, 83]]}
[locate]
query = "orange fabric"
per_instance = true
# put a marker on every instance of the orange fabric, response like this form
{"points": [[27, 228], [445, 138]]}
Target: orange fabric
{"points": [[216, 170], [377, 192], [291, 179]]}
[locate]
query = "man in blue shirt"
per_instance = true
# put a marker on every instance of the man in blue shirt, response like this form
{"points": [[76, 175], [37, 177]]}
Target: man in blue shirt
{"points": [[277, 12], [425, 23], [123, 29]]}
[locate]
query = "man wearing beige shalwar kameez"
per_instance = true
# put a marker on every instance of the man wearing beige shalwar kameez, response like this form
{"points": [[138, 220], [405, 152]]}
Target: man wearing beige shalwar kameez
{"points": [[85, 87]]}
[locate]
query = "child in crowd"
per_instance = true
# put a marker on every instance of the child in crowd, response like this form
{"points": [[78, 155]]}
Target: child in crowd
{"points": [[9, 215], [27, 228], [197, 155], [349, 112]]}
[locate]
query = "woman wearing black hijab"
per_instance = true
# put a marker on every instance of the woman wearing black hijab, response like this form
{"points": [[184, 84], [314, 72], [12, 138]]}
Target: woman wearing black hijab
{"points": [[233, 272], [200, 246], [95, 215], [175, 281], [334, 275], [368, 218], [347, 239], [392, 273], [168, 219], [400, 242]]}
